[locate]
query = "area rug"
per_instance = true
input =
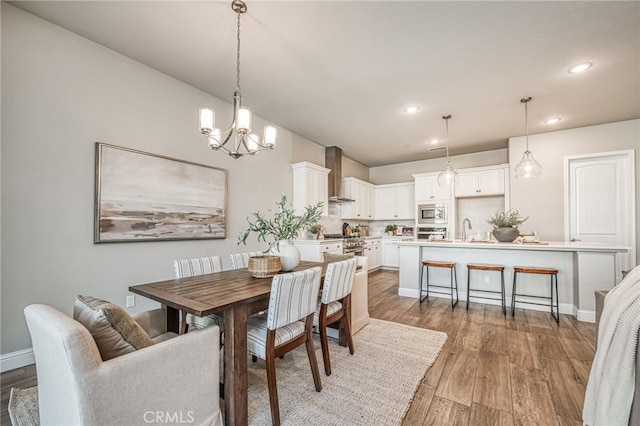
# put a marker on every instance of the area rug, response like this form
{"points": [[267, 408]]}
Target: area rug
{"points": [[375, 385], [23, 407]]}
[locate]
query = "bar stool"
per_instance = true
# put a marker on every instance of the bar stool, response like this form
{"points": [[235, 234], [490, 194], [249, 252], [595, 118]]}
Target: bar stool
{"points": [[553, 274], [496, 268], [454, 279]]}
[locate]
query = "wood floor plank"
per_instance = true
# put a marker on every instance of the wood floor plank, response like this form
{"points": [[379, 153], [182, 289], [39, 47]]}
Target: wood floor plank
{"points": [[457, 381], [532, 404], [493, 314], [469, 335], [518, 321], [434, 373], [445, 412], [483, 415], [492, 383], [519, 349], [475, 312], [583, 368], [420, 405], [494, 339], [567, 388], [548, 343], [576, 347], [537, 318]]}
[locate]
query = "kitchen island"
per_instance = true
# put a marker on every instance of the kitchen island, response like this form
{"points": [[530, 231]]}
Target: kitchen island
{"points": [[582, 269]]}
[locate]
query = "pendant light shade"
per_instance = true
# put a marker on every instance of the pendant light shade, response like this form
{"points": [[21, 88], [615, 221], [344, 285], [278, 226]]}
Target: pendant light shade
{"points": [[448, 175], [528, 167]]}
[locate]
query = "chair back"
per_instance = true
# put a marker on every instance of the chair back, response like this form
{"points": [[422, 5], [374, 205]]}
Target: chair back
{"points": [[63, 349], [338, 280], [241, 260], [197, 266], [293, 297]]}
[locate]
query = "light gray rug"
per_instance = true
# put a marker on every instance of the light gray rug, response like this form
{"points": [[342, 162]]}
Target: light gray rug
{"points": [[375, 385]]}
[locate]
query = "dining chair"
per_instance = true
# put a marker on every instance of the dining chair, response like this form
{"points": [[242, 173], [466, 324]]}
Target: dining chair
{"points": [[190, 268], [241, 260], [286, 325], [334, 304]]}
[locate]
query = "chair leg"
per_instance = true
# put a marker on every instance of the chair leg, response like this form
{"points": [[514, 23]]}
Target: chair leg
{"points": [[311, 353], [273, 388], [503, 296], [468, 286], [324, 341], [421, 279], [184, 327], [513, 295], [346, 321], [557, 314], [454, 277]]}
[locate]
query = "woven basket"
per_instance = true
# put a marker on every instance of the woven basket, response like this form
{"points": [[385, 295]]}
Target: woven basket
{"points": [[264, 266]]}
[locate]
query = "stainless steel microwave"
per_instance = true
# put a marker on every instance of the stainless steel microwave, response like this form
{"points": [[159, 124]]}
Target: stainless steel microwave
{"points": [[432, 214]]}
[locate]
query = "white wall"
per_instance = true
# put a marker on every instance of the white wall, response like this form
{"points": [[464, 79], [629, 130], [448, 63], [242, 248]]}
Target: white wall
{"points": [[543, 199], [60, 94]]}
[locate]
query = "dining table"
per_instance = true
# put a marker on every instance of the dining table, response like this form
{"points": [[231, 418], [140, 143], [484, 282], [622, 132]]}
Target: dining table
{"points": [[235, 294]]}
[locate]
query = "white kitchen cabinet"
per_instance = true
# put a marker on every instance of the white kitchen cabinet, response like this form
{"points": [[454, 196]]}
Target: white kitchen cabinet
{"points": [[428, 189], [373, 252], [391, 252], [310, 185], [363, 194], [481, 183], [313, 250], [395, 201]]}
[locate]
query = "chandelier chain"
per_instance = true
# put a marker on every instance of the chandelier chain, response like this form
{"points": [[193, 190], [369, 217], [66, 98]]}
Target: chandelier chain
{"points": [[238, 55]]}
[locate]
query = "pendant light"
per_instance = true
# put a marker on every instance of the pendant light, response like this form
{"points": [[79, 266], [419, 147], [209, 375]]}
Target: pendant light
{"points": [[448, 176], [528, 167]]}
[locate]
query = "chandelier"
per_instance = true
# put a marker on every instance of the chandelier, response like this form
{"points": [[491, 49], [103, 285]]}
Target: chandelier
{"points": [[448, 176], [528, 167], [244, 142]]}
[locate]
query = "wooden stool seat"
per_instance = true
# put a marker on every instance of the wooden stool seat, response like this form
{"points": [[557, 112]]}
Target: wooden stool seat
{"points": [[532, 270], [454, 279], [498, 268], [438, 264], [493, 268], [553, 275]]}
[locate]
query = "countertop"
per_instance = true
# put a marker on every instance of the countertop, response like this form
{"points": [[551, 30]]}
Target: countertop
{"points": [[540, 246]]}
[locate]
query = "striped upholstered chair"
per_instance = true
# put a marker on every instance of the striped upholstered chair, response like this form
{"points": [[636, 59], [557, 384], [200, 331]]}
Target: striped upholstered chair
{"points": [[334, 304], [287, 324], [190, 268], [241, 260]]}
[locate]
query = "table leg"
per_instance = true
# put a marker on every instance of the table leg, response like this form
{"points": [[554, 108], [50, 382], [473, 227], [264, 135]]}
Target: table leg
{"points": [[173, 320], [235, 366]]}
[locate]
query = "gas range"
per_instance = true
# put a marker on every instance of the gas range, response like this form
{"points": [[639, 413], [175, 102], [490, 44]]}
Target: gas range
{"points": [[351, 243]]}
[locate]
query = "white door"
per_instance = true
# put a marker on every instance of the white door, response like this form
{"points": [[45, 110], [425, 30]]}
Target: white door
{"points": [[600, 201]]}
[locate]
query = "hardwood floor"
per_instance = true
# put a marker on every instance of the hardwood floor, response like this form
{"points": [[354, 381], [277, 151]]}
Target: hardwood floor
{"points": [[493, 370]]}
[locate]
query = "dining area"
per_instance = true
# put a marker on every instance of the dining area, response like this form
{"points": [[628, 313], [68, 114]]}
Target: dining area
{"points": [[265, 316]]}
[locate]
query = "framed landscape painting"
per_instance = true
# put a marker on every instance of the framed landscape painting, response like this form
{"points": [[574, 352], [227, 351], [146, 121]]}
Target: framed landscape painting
{"points": [[148, 197]]}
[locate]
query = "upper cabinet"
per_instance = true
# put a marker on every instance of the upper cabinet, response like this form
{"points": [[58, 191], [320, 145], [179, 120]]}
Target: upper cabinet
{"points": [[395, 201], [428, 189], [363, 194], [481, 182], [310, 185]]}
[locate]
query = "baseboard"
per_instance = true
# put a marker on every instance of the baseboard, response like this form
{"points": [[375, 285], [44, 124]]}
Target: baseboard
{"points": [[586, 316], [16, 359]]}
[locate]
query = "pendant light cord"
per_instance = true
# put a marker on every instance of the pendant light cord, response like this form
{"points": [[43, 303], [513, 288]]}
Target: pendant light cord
{"points": [[238, 55], [446, 120], [525, 101]]}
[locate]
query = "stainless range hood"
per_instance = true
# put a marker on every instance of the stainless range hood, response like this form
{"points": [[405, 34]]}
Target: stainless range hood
{"points": [[333, 161]]}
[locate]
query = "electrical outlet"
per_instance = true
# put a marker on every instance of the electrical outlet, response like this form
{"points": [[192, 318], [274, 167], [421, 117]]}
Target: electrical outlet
{"points": [[131, 301], [487, 279]]}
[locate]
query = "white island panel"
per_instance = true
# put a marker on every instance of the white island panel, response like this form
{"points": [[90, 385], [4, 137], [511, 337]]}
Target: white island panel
{"points": [[582, 269]]}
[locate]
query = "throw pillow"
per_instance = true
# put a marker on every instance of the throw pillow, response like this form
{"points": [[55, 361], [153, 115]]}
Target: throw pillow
{"points": [[114, 330], [334, 257]]}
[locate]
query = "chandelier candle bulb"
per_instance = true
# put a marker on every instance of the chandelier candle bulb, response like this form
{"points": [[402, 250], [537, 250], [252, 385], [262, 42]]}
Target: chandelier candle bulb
{"points": [[244, 120], [214, 138], [252, 142], [207, 120], [270, 134]]}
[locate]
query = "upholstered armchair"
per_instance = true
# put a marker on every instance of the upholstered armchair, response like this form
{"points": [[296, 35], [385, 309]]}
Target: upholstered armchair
{"points": [[172, 381]]}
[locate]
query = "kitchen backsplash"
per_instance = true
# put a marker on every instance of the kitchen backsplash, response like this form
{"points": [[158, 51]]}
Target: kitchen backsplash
{"points": [[477, 210], [333, 223]]}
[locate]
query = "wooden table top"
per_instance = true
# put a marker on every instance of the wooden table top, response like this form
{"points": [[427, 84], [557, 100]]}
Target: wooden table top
{"points": [[212, 293]]}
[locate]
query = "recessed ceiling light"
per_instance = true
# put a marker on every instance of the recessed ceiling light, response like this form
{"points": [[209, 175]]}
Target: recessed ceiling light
{"points": [[411, 109], [553, 120], [434, 141], [580, 67]]}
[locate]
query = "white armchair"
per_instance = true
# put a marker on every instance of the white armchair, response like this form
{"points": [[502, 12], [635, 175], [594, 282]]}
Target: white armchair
{"points": [[155, 384]]}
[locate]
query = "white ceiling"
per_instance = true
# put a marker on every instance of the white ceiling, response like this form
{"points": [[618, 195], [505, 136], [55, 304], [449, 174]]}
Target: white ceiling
{"points": [[341, 72]]}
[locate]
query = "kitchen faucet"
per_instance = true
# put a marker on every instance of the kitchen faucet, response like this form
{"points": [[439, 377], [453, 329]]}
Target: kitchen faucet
{"points": [[464, 229]]}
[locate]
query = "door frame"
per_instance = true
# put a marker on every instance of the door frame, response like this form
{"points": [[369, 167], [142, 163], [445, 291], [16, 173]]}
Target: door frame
{"points": [[629, 157]]}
